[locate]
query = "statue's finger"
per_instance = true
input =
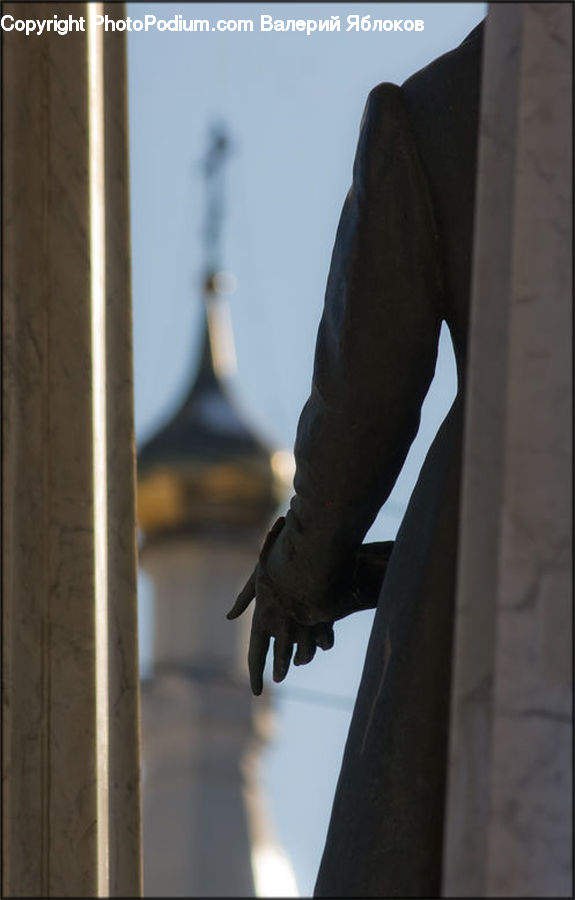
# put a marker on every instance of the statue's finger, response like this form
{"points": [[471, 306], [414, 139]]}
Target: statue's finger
{"points": [[324, 636], [305, 647], [245, 597], [283, 649], [257, 653]]}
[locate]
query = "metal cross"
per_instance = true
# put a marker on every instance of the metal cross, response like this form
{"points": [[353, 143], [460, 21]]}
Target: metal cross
{"points": [[213, 167]]}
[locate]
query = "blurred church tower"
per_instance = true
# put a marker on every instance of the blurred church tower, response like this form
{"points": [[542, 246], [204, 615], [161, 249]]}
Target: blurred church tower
{"points": [[208, 488]]}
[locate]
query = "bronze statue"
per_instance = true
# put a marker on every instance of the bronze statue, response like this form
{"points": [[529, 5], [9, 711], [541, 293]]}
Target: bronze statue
{"points": [[401, 265]]}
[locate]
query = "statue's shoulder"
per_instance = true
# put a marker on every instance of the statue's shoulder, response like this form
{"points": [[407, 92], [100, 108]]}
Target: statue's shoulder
{"points": [[388, 103], [448, 67], [443, 97]]}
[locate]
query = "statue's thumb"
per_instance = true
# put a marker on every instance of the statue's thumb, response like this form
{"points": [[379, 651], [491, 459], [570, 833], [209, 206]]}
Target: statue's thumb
{"points": [[244, 599]]}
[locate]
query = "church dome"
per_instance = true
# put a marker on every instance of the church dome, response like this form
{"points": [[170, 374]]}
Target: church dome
{"points": [[206, 470]]}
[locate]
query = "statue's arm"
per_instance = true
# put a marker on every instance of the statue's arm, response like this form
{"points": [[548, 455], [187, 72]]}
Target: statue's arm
{"points": [[375, 358]]}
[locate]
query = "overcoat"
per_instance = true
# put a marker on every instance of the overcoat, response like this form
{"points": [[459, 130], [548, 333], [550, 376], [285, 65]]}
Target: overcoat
{"points": [[401, 265], [386, 830]]}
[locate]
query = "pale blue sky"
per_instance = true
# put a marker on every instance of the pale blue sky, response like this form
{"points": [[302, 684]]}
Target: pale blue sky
{"points": [[292, 104]]}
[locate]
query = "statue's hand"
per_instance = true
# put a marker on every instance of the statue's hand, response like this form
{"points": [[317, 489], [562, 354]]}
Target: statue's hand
{"points": [[273, 616], [271, 620]]}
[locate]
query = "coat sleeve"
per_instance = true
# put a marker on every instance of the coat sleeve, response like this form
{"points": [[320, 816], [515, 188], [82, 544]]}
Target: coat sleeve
{"points": [[374, 361]]}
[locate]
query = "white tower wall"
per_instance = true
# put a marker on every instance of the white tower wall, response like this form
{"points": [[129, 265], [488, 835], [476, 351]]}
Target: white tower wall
{"points": [[205, 826]]}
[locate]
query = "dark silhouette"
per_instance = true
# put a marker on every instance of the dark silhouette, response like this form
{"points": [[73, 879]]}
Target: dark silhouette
{"points": [[401, 265]]}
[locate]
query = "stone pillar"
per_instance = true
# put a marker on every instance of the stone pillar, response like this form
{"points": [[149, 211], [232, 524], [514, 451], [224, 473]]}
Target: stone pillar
{"points": [[71, 804], [508, 825]]}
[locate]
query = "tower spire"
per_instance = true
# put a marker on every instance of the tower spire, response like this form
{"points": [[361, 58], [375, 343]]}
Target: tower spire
{"points": [[213, 166], [217, 353]]}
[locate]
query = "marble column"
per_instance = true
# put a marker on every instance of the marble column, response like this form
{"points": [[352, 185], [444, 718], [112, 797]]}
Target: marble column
{"points": [[509, 802], [71, 804]]}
